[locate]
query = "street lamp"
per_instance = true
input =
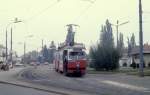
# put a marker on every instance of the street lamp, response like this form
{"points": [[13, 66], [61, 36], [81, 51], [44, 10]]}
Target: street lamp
{"points": [[24, 46], [15, 21], [117, 27]]}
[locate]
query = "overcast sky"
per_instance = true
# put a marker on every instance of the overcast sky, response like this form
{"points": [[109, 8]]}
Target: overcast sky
{"points": [[46, 19]]}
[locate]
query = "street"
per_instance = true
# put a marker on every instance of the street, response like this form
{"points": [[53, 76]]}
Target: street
{"points": [[6, 89], [10, 85], [92, 84], [74, 47], [43, 80]]}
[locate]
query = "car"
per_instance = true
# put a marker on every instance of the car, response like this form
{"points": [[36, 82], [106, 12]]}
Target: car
{"points": [[46, 63], [32, 63], [19, 64]]}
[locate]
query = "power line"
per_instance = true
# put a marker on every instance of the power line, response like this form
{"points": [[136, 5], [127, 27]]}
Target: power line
{"points": [[92, 2], [42, 11]]}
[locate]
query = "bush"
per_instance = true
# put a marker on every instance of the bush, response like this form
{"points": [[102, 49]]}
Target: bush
{"points": [[148, 64], [124, 64], [91, 65], [134, 65]]}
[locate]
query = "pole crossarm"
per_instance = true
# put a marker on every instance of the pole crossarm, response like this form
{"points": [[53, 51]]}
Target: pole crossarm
{"points": [[120, 24], [117, 27]]}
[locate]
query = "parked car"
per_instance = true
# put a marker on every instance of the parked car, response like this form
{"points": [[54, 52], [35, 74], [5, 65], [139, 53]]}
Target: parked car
{"points": [[19, 64]]}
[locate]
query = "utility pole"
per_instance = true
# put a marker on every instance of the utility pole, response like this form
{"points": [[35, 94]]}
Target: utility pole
{"points": [[11, 40], [6, 47], [16, 21], [117, 31], [42, 43], [11, 46], [141, 73], [24, 51]]}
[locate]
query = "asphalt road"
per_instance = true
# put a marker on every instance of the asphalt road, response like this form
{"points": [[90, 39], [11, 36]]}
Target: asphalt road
{"points": [[6, 89], [9, 84], [92, 84]]}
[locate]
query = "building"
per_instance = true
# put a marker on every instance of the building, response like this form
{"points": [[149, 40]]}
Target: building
{"points": [[51, 52], [125, 60], [2, 53], [146, 54]]}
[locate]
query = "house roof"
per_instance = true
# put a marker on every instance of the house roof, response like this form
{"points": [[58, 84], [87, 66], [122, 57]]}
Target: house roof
{"points": [[146, 50]]}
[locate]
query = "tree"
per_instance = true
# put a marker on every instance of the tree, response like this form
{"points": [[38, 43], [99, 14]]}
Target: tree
{"points": [[104, 54], [131, 44], [45, 53], [129, 47], [51, 51], [120, 44], [106, 36], [132, 41]]}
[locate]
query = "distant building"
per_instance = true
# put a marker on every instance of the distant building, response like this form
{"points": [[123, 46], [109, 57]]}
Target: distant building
{"points": [[2, 53], [126, 60], [51, 51], [146, 54]]}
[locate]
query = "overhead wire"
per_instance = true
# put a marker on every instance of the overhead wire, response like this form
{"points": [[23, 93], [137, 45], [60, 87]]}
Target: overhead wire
{"points": [[92, 2], [42, 11]]}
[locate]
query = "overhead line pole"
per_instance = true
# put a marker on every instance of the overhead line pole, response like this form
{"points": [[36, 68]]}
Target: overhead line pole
{"points": [[11, 47], [117, 31], [24, 52], [6, 46], [42, 44], [141, 73]]}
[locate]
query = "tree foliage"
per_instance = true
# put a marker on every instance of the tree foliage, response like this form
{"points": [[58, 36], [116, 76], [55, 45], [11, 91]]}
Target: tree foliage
{"points": [[131, 44], [45, 53], [120, 44], [51, 52], [132, 41], [104, 54]]}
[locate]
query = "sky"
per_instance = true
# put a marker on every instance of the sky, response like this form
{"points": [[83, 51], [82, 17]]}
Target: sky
{"points": [[47, 20]]}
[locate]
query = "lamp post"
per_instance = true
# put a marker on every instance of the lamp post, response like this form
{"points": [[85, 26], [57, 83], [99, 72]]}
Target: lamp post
{"points": [[24, 47], [15, 21], [117, 28]]}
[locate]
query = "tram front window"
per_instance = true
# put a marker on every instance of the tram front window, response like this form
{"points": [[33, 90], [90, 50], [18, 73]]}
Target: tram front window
{"points": [[76, 55]]}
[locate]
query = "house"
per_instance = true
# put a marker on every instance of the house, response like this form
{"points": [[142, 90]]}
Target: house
{"points": [[2, 53], [146, 54], [125, 60]]}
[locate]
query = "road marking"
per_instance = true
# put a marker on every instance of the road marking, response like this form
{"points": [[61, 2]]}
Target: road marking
{"points": [[128, 86], [147, 91]]}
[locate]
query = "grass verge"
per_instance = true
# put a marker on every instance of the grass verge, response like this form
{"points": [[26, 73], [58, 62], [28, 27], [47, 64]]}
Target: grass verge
{"points": [[128, 71]]}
